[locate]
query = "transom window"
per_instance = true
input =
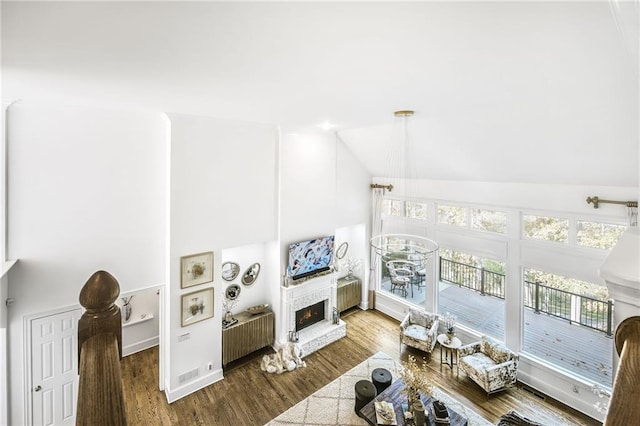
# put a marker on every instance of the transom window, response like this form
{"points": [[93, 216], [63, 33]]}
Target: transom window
{"points": [[547, 228], [415, 210], [392, 207], [598, 235], [453, 215], [489, 220]]}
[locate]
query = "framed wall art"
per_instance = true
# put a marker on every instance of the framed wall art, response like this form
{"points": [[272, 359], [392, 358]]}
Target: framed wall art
{"points": [[196, 269], [197, 306]]}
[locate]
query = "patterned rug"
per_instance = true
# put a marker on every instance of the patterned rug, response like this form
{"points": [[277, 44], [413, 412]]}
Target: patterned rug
{"points": [[334, 403]]}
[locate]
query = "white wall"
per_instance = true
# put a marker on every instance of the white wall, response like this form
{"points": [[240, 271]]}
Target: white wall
{"points": [[307, 187], [223, 194], [142, 330], [85, 192], [260, 291], [324, 191]]}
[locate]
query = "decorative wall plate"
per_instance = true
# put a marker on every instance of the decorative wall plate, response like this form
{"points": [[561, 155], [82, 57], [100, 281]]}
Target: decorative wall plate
{"points": [[251, 274], [232, 292], [230, 271], [342, 250]]}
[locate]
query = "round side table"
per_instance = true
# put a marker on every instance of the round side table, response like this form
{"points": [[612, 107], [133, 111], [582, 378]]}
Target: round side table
{"points": [[450, 350]]}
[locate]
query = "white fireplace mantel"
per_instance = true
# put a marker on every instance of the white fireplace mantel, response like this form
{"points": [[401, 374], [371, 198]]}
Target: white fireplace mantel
{"points": [[311, 291]]}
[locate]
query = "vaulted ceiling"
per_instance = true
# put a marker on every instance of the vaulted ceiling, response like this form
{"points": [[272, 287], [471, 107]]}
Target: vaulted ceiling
{"points": [[541, 92]]}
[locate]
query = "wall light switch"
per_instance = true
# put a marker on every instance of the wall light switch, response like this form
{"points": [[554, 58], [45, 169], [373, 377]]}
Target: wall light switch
{"points": [[183, 337]]}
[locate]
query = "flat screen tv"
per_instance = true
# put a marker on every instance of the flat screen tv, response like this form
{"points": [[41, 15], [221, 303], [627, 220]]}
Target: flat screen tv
{"points": [[310, 257]]}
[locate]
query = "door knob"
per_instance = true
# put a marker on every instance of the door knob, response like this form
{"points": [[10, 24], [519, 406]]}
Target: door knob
{"points": [[38, 388]]}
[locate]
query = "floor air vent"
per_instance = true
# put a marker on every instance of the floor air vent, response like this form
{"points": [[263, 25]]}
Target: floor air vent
{"points": [[188, 376], [533, 392]]}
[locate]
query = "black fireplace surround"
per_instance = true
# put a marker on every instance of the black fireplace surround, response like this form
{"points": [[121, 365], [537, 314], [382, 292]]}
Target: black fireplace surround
{"points": [[310, 315]]}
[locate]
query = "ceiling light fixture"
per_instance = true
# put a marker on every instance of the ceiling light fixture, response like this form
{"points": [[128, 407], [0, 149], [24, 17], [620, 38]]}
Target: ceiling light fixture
{"points": [[326, 126], [399, 245]]}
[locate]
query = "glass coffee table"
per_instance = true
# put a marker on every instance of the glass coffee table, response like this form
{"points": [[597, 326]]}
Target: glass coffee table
{"points": [[394, 395]]}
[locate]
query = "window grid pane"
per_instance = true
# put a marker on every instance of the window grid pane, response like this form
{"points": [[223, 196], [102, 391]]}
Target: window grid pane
{"points": [[598, 235], [545, 228], [453, 215], [489, 220], [391, 207], [416, 210]]}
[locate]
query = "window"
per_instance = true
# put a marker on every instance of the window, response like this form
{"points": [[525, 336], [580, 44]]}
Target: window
{"points": [[416, 210], [452, 215], [563, 316], [545, 228], [489, 220], [403, 272], [391, 207], [472, 289], [599, 235]]}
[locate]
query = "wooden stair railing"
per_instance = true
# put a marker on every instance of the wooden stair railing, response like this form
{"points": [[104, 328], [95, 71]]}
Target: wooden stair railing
{"points": [[624, 408], [100, 393]]}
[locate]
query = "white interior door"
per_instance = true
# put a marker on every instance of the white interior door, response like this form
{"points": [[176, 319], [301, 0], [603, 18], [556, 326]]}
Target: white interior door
{"points": [[54, 368]]}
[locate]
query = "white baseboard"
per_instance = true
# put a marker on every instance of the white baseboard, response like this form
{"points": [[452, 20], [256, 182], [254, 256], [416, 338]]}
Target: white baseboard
{"points": [[189, 388], [558, 385], [140, 346]]}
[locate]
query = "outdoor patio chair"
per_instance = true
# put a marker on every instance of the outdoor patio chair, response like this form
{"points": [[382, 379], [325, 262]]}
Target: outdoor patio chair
{"points": [[490, 364], [419, 330], [400, 276]]}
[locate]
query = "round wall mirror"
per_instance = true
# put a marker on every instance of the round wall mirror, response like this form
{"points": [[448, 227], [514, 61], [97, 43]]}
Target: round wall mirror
{"points": [[230, 271], [232, 292], [342, 250], [251, 274]]}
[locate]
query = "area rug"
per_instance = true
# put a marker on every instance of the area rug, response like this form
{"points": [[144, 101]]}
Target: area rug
{"points": [[334, 403]]}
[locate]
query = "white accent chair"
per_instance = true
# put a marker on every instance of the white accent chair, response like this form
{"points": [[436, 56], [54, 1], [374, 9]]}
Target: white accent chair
{"points": [[419, 330], [490, 364]]}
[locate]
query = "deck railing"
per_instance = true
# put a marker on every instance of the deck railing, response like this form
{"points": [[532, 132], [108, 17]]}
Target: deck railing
{"points": [[478, 279], [575, 308]]}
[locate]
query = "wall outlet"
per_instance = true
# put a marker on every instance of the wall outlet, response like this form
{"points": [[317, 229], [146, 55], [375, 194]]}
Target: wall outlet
{"points": [[210, 366], [183, 337]]}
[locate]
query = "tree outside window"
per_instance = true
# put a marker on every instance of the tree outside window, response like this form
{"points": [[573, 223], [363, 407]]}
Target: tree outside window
{"points": [[489, 220], [545, 228], [598, 235], [453, 215]]}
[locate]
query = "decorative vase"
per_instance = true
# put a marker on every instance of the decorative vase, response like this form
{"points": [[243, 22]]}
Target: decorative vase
{"points": [[127, 312], [228, 316], [450, 335], [418, 412]]}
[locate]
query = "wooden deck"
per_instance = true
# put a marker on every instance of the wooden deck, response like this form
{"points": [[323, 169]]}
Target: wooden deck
{"points": [[579, 350]]}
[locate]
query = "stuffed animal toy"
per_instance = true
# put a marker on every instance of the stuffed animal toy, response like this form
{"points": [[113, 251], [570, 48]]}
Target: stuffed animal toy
{"points": [[287, 358]]}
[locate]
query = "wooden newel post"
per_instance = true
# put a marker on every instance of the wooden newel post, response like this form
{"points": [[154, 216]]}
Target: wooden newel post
{"points": [[624, 408], [102, 315]]}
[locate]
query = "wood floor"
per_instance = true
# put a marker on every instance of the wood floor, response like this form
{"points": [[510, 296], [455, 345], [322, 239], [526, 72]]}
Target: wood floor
{"points": [[248, 396]]}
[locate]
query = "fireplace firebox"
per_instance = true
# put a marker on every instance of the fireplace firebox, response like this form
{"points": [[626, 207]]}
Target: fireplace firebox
{"points": [[310, 315]]}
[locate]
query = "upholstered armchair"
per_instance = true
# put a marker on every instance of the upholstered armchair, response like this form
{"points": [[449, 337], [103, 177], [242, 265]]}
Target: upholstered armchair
{"points": [[488, 363], [419, 330]]}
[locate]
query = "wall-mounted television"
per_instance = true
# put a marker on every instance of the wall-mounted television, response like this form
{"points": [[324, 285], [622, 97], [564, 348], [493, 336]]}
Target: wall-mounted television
{"points": [[310, 257]]}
